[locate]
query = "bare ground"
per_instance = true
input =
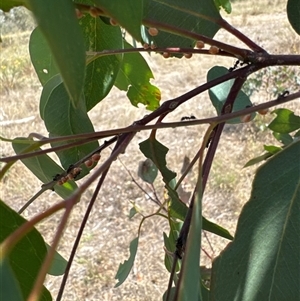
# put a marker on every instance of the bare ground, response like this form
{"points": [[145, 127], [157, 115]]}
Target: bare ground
{"points": [[106, 239]]}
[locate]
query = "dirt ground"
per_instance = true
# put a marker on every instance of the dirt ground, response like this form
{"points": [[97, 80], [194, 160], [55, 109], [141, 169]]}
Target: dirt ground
{"points": [[106, 239]]}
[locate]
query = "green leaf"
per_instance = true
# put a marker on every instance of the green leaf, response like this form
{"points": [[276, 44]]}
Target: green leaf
{"points": [[101, 71], [272, 149], [285, 139], [189, 280], [59, 25], [262, 261], [43, 167], [132, 212], [215, 228], [172, 294], [297, 134], [62, 119], [41, 56], [7, 5], [285, 121], [125, 268], [258, 159], [293, 13], [219, 93], [154, 150], [58, 265], [27, 256], [170, 244], [177, 208], [205, 293], [134, 77], [225, 4], [157, 152], [9, 286], [50, 85], [147, 171], [198, 16], [126, 13]]}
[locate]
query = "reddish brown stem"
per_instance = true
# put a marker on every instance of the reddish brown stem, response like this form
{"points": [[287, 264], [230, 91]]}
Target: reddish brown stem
{"points": [[224, 24]]}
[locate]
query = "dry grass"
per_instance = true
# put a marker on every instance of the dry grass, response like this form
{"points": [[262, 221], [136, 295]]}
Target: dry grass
{"points": [[108, 233]]}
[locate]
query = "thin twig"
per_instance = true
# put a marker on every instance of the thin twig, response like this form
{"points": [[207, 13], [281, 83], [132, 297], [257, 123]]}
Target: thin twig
{"points": [[38, 285], [136, 127], [79, 234], [156, 200], [224, 24]]}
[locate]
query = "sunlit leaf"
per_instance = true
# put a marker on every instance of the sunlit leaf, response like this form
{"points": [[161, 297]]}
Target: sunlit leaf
{"points": [[59, 25], [126, 13], [219, 93], [285, 122], [215, 228], [272, 149], [258, 159], [7, 5], [297, 134], [125, 268], [285, 138], [132, 212], [27, 256], [134, 77], [262, 261], [43, 167], [293, 13], [225, 4]]}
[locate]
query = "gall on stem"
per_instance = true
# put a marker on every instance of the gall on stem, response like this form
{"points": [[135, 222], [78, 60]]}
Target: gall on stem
{"points": [[200, 44], [213, 50], [153, 31]]}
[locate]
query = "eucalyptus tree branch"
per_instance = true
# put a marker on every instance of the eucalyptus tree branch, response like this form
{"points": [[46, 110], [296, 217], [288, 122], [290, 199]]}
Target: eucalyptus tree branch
{"points": [[93, 55], [137, 128], [231, 29], [32, 199], [227, 108], [184, 241], [167, 107], [239, 53], [203, 174]]}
